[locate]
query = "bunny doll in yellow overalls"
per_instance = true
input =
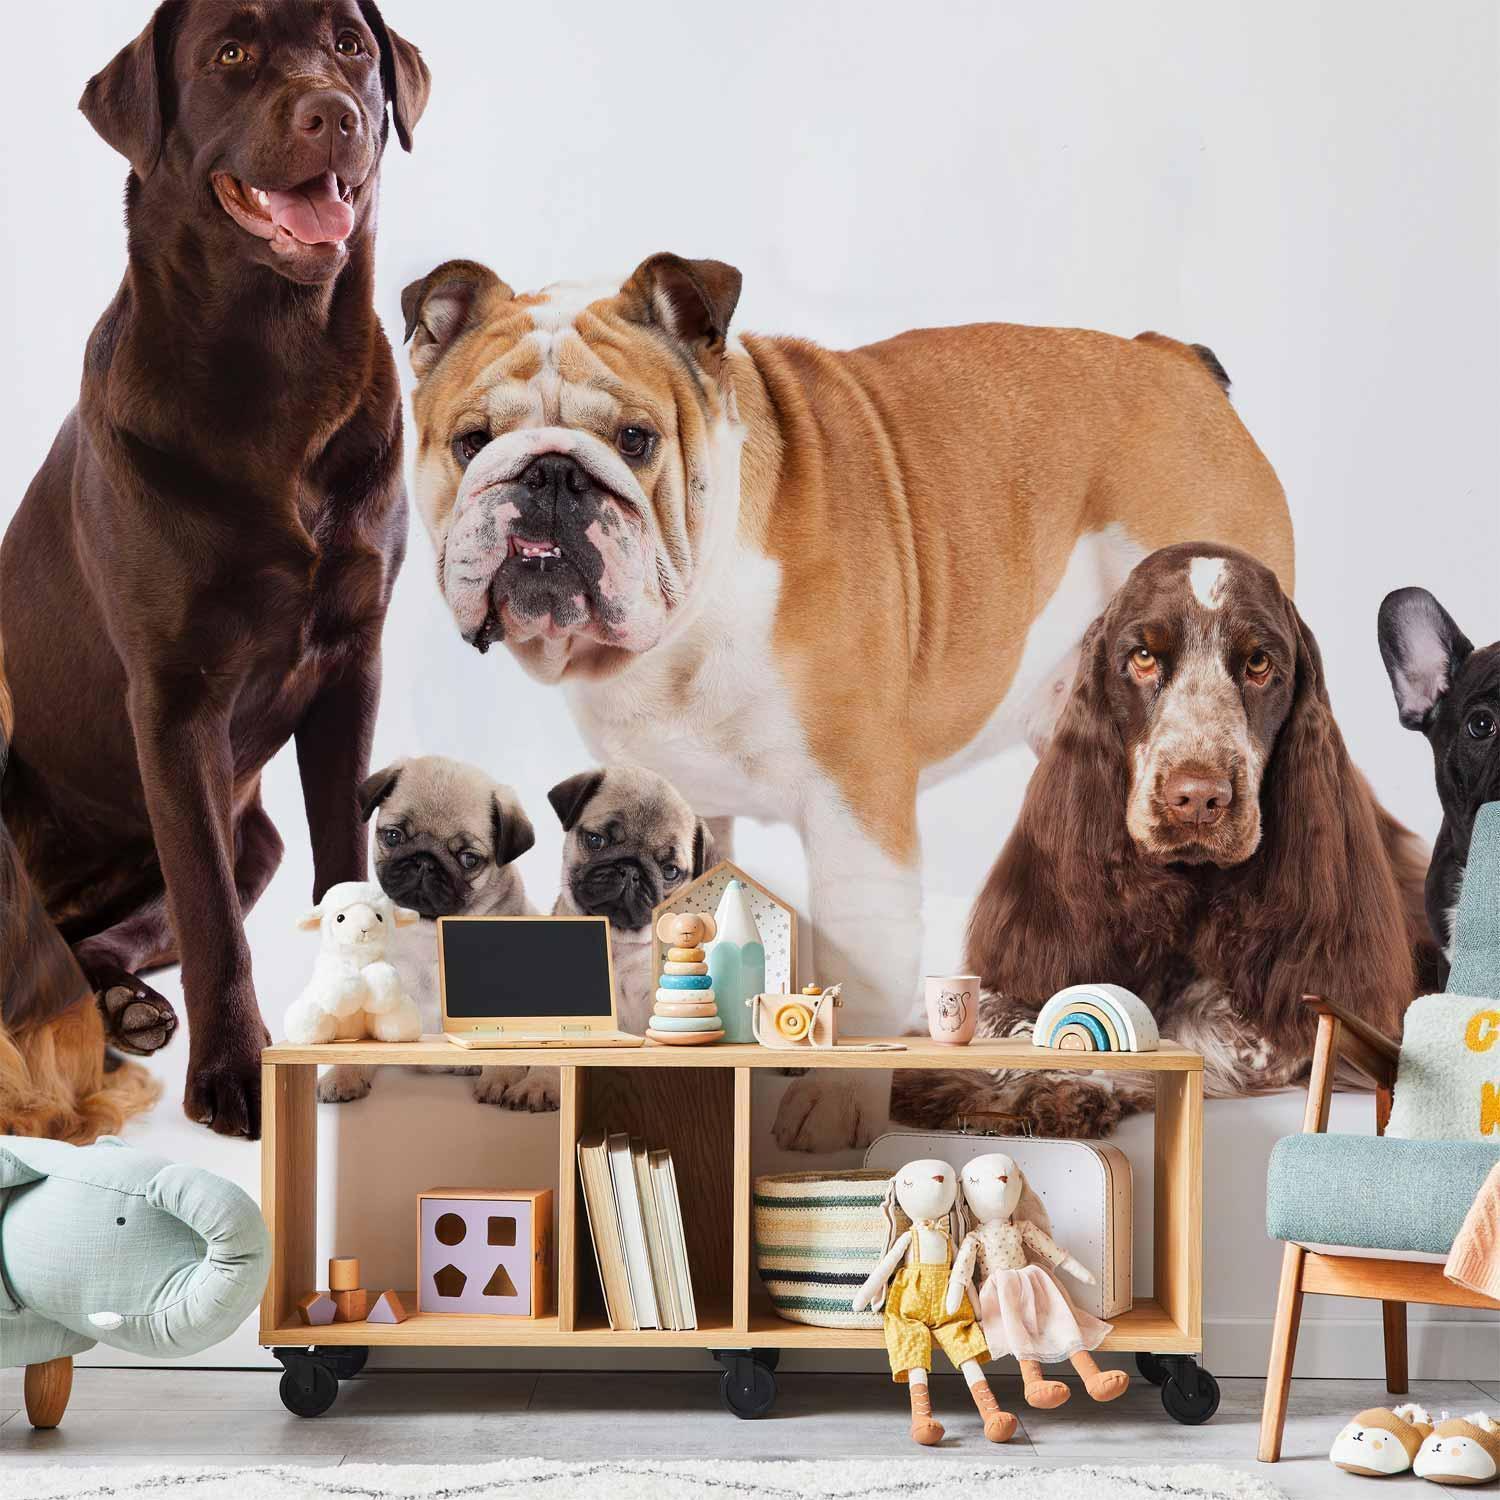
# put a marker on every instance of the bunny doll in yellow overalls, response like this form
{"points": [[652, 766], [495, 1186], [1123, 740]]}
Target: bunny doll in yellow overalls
{"points": [[927, 1192]]}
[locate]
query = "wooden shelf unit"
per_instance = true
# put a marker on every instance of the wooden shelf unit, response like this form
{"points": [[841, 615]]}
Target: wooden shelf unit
{"points": [[696, 1101]]}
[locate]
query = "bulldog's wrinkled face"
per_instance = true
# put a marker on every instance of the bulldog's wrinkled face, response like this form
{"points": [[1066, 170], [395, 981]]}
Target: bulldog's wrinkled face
{"points": [[445, 834], [631, 842], [578, 454], [1203, 666]]}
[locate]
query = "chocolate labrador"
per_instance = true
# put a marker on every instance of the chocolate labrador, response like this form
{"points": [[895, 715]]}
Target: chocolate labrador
{"points": [[201, 568]]}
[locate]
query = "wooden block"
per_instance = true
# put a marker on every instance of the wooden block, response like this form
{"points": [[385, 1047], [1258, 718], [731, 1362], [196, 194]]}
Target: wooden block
{"points": [[317, 1309], [388, 1308], [684, 1038], [343, 1273], [352, 1305]]}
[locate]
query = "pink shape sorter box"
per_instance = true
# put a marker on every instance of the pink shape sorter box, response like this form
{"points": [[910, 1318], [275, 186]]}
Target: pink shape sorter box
{"points": [[482, 1250]]}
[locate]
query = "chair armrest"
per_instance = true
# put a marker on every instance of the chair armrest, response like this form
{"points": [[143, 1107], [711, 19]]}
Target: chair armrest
{"points": [[1358, 1043]]}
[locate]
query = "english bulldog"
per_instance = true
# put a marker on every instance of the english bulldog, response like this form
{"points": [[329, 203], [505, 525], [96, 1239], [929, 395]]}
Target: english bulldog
{"points": [[803, 583], [447, 836], [631, 842]]}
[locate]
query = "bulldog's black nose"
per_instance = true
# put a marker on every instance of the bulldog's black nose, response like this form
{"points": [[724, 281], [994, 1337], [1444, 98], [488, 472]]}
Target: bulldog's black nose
{"points": [[326, 113], [556, 476]]}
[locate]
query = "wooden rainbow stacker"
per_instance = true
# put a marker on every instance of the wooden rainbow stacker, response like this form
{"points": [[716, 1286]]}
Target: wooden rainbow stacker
{"points": [[696, 1101]]}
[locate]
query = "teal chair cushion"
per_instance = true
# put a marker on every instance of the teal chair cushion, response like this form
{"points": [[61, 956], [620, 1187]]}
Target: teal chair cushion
{"points": [[1374, 1193]]}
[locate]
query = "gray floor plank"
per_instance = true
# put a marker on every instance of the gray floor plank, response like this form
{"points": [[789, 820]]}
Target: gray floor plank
{"points": [[40, 1460], [188, 1416]]}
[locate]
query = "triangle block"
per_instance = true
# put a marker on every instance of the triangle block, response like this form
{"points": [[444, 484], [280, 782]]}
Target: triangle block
{"points": [[388, 1308], [500, 1284]]}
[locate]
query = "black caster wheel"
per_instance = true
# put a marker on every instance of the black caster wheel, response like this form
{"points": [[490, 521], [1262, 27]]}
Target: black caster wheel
{"points": [[770, 1358], [1151, 1369], [748, 1385], [308, 1387], [1194, 1400], [345, 1360]]}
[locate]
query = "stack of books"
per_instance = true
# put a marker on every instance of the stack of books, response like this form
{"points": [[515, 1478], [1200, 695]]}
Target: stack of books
{"points": [[635, 1219]]}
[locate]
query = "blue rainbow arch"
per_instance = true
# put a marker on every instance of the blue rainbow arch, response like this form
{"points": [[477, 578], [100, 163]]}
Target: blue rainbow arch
{"points": [[1096, 1018]]}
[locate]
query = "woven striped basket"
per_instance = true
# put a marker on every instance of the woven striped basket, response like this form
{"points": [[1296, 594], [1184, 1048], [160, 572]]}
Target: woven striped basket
{"points": [[817, 1236]]}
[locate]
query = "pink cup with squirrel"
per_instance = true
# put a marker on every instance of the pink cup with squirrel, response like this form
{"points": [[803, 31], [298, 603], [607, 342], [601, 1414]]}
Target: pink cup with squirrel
{"points": [[952, 1007]]}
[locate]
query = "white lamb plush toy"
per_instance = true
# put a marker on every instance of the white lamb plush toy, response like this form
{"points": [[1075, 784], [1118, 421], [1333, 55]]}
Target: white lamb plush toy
{"points": [[354, 991]]}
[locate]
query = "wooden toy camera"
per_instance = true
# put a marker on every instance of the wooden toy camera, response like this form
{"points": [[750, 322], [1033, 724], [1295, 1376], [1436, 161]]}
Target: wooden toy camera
{"points": [[791, 1021]]}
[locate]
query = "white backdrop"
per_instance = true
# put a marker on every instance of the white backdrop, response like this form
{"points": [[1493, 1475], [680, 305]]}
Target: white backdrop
{"points": [[1314, 190]]}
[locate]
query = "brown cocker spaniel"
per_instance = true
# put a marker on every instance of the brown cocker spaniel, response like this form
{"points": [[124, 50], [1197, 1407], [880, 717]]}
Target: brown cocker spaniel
{"points": [[1196, 832]]}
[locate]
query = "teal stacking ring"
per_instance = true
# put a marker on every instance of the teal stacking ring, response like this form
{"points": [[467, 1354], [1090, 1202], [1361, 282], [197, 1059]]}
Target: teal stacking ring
{"points": [[686, 1023], [686, 982]]}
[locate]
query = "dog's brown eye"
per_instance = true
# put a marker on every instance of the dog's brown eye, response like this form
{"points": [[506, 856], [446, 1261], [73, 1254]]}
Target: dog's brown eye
{"points": [[1258, 666], [348, 45], [670, 872], [1480, 725], [469, 860], [635, 442], [1143, 662], [231, 55], [390, 837], [467, 444]]}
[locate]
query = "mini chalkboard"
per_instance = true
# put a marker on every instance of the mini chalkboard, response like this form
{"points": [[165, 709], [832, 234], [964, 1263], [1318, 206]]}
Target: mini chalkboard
{"points": [[501, 969]]}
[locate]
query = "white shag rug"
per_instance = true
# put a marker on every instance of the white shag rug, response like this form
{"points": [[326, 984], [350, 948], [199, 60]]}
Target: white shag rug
{"points": [[541, 1479]]}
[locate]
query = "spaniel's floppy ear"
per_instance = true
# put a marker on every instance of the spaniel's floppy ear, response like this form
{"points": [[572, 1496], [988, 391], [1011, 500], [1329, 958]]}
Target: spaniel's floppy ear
{"points": [[1069, 897], [1326, 908], [1422, 648], [129, 102]]}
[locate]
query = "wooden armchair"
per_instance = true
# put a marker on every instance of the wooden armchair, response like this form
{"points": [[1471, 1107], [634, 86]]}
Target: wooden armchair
{"points": [[1345, 1040]]}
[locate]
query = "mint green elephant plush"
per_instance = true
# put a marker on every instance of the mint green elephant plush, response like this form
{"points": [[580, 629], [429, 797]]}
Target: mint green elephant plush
{"points": [[107, 1244]]}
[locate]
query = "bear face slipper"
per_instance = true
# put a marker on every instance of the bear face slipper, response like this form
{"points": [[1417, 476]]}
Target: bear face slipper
{"points": [[1380, 1442], [1460, 1450]]}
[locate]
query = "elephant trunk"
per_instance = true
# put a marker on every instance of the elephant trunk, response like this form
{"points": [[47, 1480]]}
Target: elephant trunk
{"points": [[200, 1304]]}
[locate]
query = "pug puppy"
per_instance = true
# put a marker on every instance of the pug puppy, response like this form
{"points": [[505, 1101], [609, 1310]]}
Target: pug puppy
{"points": [[631, 841], [446, 841]]}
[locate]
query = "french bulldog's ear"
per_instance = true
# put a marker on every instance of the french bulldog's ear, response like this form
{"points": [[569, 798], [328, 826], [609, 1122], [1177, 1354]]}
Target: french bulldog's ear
{"points": [[376, 787], [512, 831], [403, 74], [705, 855], [124, 102], [693, 300], [443, 304], [570, 797], [1422, 649]]}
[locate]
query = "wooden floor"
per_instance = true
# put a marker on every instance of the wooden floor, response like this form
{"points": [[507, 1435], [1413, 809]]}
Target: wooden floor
{"points": [[386, 1416]]}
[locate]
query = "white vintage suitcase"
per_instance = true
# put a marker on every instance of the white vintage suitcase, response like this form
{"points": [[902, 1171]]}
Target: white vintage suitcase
{"points": [[1085, 1187]]}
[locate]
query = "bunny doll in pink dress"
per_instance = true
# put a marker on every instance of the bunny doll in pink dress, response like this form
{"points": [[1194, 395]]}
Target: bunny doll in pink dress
{"points": [[1022, 1307]]}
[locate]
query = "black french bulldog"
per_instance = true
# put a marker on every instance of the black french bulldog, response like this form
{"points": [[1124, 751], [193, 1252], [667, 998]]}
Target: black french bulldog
{"points": [[1451, 692]]}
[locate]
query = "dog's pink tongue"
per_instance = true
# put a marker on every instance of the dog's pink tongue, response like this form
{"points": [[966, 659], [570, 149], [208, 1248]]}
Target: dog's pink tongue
{"points": [[313, 212]]}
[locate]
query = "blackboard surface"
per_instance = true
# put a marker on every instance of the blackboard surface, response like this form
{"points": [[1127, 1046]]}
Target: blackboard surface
{"points": [[527, 966]]}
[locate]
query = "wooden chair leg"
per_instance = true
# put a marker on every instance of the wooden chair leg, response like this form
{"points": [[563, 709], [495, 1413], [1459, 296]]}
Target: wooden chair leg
{"points": [[1393, 1316], [1283, 1354], [47, 1388]]}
